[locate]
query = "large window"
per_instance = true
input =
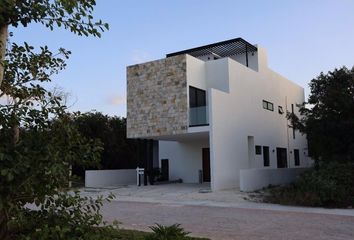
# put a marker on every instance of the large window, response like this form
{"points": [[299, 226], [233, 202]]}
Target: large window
{"points": [[197, 107], [197, 97], [268, 105]]}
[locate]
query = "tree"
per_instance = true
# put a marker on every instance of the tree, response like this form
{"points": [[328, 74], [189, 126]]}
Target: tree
{"points": [[74, 15], [38, 140], [329, 120], [118, 151], [35, 164]]}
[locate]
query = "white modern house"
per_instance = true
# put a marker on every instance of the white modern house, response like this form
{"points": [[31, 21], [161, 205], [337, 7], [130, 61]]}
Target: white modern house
{"points": [[216, 113]]}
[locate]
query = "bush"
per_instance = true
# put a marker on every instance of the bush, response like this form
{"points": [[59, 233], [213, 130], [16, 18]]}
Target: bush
{"points": [[331, 185], [63, 216], [173, 232]]}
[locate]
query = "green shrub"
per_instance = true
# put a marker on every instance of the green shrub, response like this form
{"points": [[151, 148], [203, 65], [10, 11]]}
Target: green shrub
{"points": [[331, 185], [64, 216], [173, 232]]}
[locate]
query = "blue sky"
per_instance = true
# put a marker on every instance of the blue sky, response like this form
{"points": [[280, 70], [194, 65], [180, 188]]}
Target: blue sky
{"points": [[302, 38]]}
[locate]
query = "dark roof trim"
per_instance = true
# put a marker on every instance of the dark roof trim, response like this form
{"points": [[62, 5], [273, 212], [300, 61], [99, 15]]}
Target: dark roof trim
{"points": [[220, 49]]}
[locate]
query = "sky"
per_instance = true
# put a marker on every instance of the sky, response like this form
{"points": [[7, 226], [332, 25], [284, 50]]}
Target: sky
{"points": [[302, 38]]}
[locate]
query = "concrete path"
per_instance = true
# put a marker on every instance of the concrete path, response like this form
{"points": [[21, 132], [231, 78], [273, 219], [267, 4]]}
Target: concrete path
{"points": [[189, 194], [232, 222]]}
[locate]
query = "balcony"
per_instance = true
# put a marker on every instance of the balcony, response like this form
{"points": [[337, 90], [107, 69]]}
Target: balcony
{"points": [[198, 116]]}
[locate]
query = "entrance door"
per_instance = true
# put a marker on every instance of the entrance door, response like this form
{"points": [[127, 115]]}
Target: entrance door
{"points": [[206, 165], [282, 161], [164, 170]]}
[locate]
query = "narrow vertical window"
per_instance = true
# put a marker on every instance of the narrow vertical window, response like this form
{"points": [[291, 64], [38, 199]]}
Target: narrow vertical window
{"points": [[297, 157], [258, 150], [197, 105], [266, 162], [292, 111]]}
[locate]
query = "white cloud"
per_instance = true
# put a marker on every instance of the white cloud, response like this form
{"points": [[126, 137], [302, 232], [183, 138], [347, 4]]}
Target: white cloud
{"points": [[117, 100], [139, 56]]}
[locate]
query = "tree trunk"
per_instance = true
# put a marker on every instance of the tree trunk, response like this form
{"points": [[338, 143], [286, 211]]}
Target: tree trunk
{"points": [[16, 134], [3, 41], [4, 234]]}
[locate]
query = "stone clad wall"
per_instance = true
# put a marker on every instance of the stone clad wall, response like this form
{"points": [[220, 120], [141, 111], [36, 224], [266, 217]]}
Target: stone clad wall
{"points": [[157, 98]]}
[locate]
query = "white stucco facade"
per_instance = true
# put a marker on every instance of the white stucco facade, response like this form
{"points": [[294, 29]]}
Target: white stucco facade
{"points": [[237, 121]]}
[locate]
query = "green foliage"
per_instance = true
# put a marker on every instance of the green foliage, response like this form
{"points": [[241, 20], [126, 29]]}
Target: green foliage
{"points": [[74, 15], [62, 216], [38, 139], [331, 185], [328, 122], [329, 119], [29, 102], [118, 151], [173, 232]]}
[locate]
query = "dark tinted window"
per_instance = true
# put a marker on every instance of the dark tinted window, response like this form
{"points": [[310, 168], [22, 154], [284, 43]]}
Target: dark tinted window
{"points": [[197, 97], [258, 150], [266, 156], [297, 157], [268, 105]]}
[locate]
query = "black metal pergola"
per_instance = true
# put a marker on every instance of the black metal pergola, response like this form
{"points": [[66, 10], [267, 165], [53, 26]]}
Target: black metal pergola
{"points": [[221, 49]]}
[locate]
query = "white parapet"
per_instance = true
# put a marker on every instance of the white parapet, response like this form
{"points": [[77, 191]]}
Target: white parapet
{"points": [[109, 178], [255, 179]]}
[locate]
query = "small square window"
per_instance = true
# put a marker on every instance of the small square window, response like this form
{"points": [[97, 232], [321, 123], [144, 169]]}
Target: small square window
{"points": [[258, 150], [268, 105], [280, 110]]}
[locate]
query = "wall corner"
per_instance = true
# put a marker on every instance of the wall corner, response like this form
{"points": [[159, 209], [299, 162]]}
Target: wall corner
{"points": [[262, 59]]}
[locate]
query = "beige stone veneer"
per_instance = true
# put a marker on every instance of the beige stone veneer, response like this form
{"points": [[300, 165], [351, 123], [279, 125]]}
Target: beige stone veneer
{"points": [[157, 98]]}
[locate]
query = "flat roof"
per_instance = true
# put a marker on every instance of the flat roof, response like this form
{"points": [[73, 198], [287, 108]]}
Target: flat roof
{"points": [[220, 49]]}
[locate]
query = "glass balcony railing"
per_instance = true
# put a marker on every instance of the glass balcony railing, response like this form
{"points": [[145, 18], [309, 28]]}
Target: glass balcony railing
{"points": [[198, 116]]}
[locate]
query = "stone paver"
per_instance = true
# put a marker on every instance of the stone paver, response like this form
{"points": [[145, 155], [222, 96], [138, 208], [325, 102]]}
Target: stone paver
{"points": [[222, 215], [188, 194], [232, 223]]}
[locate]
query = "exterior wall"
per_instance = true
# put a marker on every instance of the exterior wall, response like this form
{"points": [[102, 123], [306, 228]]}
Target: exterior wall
{"points": [[107, 178], [238, 114], [254, 179], [157, 98], [158, 108], [185, 158]]}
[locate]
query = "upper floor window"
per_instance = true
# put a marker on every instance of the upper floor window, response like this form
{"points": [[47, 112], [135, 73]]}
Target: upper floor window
{"points": [[280, 110], [292, 111], [197, 97], [268, 105], [197, 107]]}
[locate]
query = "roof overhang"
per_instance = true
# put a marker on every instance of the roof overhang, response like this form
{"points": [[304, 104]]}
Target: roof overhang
{"points": [[220, 49]]}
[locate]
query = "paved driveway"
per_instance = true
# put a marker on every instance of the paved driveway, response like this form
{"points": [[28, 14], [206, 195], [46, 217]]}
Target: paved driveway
{"points": [[222, 215], [232, 223]]}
